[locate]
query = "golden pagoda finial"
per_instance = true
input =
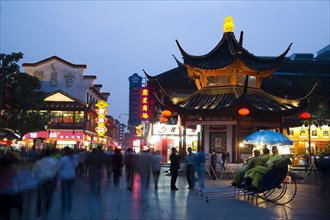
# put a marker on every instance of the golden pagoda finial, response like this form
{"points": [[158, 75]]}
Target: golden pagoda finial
{"points": [[228, 26]]}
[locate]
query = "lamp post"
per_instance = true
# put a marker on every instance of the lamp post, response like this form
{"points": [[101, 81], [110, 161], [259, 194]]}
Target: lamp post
{"points": [[307, 116]]}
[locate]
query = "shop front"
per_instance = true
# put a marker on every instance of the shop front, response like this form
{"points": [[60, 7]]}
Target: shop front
{"points": [[314, 137], [163, 137], [62, 138]]}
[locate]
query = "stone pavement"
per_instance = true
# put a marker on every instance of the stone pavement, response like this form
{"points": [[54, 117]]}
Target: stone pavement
{"points": [[182, 204]]}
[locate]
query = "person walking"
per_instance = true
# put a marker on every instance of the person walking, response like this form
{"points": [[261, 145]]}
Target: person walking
{"points": [[156, 164], [190, 168], [144, 166], [96, 161], [108, 164], [117, 161], [129, 160], [67, 174], [174, 168], [213, 162], [225, 159], [44, 171], [200, 168]]}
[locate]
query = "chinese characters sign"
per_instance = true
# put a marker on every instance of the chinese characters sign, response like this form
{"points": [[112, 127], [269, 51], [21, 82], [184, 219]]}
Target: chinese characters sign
{"points": [[144, 104]]}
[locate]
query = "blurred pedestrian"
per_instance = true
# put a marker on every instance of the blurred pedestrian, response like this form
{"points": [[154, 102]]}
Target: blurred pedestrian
{"points": [[213, 168], [67, 174], [174, 168], [190, 168], [200, 168], [108, 164], [324, 166], [10, 197], [143, 166], [156, 164], [225, 159], [129, 160], [44, 171], [96, 162], [117, 161]]}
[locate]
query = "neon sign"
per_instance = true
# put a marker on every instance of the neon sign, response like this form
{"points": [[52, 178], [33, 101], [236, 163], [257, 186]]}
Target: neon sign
{"points": [[101, 119], [144, 104]]}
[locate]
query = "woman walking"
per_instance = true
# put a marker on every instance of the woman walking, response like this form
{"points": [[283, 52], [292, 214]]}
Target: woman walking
{"points": [[67, 174], [156, 164]]}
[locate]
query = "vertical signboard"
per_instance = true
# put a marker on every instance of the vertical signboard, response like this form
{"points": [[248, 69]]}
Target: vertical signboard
{"points": [[144, 104], [135, 83]]}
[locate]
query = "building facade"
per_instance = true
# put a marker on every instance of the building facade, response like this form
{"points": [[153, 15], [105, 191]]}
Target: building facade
{"points": [[211, 90], [70, 103]]}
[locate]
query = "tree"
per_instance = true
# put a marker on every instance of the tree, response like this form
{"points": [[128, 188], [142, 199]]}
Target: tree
{"points": [[20, 98]]}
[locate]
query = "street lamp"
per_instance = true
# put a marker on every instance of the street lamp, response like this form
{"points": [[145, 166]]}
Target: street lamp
{"points": [[306, 116]]}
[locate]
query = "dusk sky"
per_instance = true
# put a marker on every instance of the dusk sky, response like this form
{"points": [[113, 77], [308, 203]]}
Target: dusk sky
{"points": [[118, 38]]}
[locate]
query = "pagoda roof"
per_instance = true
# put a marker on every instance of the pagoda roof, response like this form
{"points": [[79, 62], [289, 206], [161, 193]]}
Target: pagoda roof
{"points": [[229, 50], [212, 101]]}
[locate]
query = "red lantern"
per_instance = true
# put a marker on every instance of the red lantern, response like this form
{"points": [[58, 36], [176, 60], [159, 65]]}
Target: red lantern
{"points": [[166, 113], [163, 119], [243, 111], [304, 115]]}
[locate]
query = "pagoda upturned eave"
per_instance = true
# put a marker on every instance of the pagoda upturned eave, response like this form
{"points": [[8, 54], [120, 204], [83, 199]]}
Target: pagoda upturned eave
{"points": [[226, 52], [227, 99]]}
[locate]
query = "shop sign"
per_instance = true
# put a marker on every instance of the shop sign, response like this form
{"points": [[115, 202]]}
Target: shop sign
{"points": [[144, 104], [55, 135], [162, 129]]}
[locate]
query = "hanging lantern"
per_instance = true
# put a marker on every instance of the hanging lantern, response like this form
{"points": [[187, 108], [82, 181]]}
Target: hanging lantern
{"points": [[243, 111], [304, 115], [166, 113], [163, 119]]}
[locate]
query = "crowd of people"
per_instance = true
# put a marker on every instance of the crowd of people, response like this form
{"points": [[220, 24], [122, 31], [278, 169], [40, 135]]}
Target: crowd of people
{"points": [[34, 175]]}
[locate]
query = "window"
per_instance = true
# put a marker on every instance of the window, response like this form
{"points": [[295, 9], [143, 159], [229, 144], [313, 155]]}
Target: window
{"points": [[241, 80], [218, 80], [314, 133], [302, 132]]}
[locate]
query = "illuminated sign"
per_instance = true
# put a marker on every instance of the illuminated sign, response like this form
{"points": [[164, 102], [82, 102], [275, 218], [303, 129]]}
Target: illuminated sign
{"points": [[101, 119], [161, 129], [135, 82], [144, 104]]}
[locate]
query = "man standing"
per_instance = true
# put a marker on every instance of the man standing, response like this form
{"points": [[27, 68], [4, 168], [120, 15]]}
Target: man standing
{"points": [[190, 168], [174, 168]]}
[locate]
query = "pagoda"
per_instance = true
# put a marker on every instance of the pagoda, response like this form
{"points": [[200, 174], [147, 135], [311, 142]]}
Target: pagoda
{"points": [[221, 92]]}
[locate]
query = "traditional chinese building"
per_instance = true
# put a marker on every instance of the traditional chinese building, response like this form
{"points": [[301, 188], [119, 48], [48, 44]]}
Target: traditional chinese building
{"points": [[71, 104], [221, 92]]}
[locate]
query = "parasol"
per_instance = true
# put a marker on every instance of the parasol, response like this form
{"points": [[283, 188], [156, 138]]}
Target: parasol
{"points": [[267, 137]]}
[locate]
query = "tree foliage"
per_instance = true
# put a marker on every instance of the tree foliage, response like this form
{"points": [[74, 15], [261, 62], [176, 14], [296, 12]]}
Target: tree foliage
{"points": [[25, 100]]}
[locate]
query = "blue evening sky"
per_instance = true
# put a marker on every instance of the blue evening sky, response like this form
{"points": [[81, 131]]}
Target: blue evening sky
{"points": [[118, 38]]}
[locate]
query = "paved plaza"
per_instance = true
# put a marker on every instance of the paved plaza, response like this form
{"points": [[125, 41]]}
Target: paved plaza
{"points": [[182, 204]]}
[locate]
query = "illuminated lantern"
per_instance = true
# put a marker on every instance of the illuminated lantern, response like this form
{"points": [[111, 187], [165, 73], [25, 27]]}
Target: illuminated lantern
{"points": [[243, 111], [100, 120], [163, 119], [304, 115], [166, 113], [101, 111]]}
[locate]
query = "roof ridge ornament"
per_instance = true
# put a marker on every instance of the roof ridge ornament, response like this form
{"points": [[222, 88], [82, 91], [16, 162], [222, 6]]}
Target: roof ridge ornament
{"points": [[228, 25]]}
